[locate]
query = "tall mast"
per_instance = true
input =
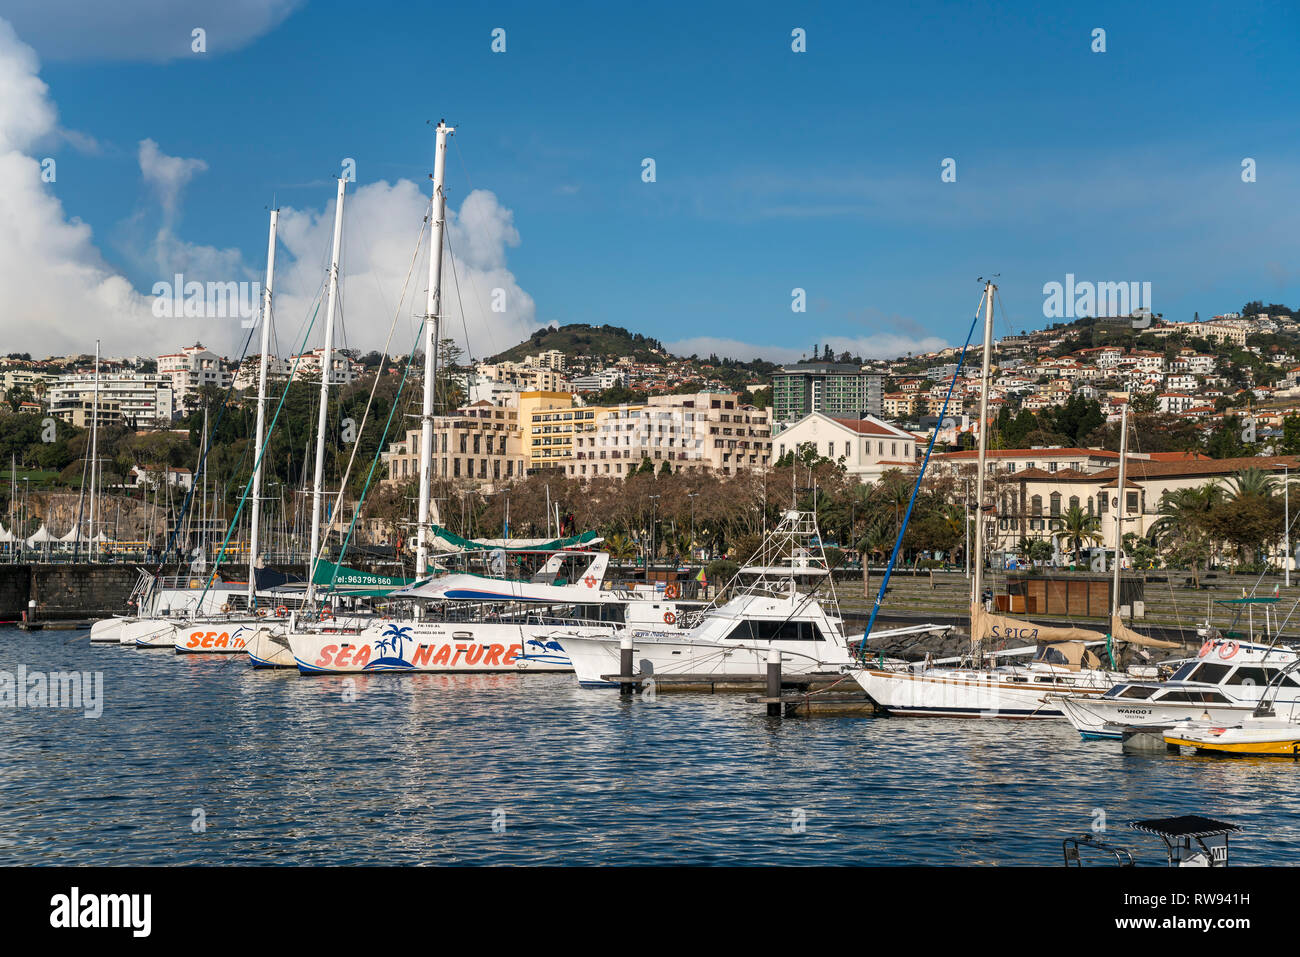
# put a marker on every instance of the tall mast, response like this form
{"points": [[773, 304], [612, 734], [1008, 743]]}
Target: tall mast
{"points": [[94, 452], [254, 520], [1119, 509], [327, 362], [977, 554], [433, 309]]}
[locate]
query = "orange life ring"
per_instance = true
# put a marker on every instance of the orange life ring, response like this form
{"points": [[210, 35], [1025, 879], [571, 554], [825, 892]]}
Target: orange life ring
{"points": [[1225, 654], [326, 613], [1206, 648], [670, 590], [281, 611], [670, 618]]}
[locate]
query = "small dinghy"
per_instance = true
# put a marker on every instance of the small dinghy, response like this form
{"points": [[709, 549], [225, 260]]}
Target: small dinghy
{"points": [[1258, 736]]}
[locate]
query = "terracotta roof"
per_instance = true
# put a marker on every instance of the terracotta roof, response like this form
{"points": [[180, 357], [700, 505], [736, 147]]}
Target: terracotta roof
{"points": [[872, 427], [1024, 453], [1140, 469]]}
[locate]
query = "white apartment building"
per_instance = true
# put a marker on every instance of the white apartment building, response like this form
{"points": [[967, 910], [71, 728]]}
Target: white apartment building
{"points": [[343, 369], [140, 398], [277, 370], [709, 431], [1177, 402], [190, 370]]}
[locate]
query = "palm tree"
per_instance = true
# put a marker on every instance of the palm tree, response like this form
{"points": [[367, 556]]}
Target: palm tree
{"points": [[1252, 483], [620, 547], [1183, 516], [875, 539], [1077, 527]]}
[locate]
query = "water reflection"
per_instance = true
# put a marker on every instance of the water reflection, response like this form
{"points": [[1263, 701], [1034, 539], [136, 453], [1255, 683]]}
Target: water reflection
{"points": [[408, 769]]}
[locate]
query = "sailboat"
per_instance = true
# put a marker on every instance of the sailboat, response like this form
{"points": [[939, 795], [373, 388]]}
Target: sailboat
{"points": [[233, 635], [978, 687]]}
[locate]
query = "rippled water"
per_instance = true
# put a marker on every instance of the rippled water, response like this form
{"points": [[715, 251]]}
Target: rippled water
{"points": [[415, 769]]}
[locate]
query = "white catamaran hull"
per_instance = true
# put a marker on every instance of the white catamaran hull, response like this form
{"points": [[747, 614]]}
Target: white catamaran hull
{"points": [[430, 646], [969, 693], [269, 646], [107, 630]]}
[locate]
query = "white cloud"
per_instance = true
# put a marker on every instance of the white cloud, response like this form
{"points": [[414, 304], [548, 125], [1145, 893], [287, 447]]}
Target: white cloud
{"points": [[879, 346], [381, 224], [58, 293], [149, 30]]}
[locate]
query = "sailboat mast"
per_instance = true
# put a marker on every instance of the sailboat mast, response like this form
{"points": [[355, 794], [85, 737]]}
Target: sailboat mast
{"points": [[94, 452], [254, 520], [977, 556], [327, 362], [433, 309], [1119, 509]]}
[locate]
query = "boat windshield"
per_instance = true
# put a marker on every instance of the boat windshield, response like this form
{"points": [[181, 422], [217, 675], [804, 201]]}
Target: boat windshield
{"points": [[1140, 692]]}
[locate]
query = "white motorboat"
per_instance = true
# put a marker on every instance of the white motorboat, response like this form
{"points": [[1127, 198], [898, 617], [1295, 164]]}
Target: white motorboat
{"points": [[1224, 683], [734, 637]]}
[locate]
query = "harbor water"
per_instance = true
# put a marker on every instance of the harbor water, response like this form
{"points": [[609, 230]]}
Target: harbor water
{"points": [[202, 760]]}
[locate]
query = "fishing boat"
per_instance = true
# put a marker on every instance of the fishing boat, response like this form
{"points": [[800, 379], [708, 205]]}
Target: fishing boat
{"points": [[977, 685], [771, 606]]}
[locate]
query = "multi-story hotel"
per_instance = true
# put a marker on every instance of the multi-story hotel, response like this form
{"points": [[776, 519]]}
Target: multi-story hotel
{"points": [[712, 431], [479, 443], [139, 399]]}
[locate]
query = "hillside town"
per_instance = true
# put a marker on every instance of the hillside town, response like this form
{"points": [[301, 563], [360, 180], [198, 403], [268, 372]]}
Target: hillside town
{"points": [[1210, 398]]}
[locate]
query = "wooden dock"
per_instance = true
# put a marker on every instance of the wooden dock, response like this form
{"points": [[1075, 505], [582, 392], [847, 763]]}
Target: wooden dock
{"points": [[725, 684]]}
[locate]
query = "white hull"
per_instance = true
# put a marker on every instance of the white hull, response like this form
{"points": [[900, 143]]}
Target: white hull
{"points": [[430, 646], [1091, 716], [970, 693], [269, 647], [595, 656], [147, 633], [213, 637], [107, 630]]}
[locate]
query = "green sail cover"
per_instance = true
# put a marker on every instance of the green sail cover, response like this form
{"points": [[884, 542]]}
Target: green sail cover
{"points": [[452, 542], [356, 582]]}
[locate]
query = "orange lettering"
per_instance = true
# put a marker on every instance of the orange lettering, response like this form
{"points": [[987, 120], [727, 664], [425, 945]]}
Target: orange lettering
{"points": [[513, 653], [344, 657], [422, 655], [443, 656], [326, 655], [473, 653], [494, 653]]}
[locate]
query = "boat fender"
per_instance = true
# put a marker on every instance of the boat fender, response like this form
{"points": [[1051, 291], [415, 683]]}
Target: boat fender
{"points": [[669, 618], [1225, 653]]}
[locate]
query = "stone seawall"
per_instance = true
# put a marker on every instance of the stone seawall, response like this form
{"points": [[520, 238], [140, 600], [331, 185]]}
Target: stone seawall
{"points": [[63, 592]]}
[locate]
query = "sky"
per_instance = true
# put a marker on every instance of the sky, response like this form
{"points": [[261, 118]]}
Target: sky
{"points": [[129, 157]]}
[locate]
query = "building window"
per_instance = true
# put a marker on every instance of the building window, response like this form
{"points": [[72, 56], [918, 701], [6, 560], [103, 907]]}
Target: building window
{"points": [[1036, 506]]}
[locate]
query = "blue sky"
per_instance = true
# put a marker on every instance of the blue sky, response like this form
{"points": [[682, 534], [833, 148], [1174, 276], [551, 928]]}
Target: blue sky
{"points": [[775, 169]]}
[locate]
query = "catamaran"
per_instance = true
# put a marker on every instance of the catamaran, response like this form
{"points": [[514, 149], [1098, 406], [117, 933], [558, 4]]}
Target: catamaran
{"points": [[475, 622], [977, 687]]}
